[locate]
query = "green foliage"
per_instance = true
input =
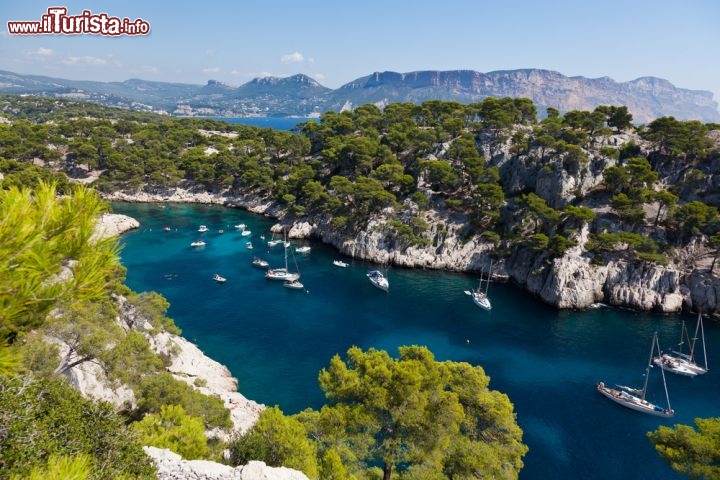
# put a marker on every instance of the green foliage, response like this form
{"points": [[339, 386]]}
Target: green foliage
{"points": [[616, 117], [25, 174], [61, 468], [130, 359], [641, 246], [579, 214], [538, 241], [44, 417], [278, 441], [689, 451], [152, 307], [688, 139], [694, 217], [411, 233], [546, 216], [172, 428], [559, 244], [490, 236], [10, 360], [415, 414], [47, 254], [155, 391]]}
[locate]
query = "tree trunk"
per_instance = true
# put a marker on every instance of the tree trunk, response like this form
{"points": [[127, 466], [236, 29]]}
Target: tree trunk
{"points": [[387, 471], [657, 217], [712, 267]]}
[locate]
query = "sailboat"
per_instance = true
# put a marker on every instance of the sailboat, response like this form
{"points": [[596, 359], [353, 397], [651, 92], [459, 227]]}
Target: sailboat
{"points": [[282, 273], [635, 398], [480, 296], [685, 363]]}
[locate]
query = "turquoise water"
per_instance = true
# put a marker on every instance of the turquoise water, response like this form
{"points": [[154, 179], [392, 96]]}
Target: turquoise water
{"points": [[275, 340], [278, 123]]}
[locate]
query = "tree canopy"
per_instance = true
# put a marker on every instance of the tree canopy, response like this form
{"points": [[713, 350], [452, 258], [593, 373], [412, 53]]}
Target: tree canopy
{"points": [[690, 451], [410, 417]]}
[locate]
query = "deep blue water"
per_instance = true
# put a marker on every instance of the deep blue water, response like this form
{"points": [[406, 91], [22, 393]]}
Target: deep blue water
{"points": [[277, 123], [275, 340]]}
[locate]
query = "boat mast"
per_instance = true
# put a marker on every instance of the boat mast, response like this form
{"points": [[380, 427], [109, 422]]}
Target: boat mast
{"points": [[285, 249], [487, 284], [702, 335], [649, 365], [683, 333], [662, 372]]}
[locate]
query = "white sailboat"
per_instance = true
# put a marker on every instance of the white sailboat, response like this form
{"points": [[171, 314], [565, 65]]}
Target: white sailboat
{"points": [[282, 273], [480, 296], [686, 363], [635, 398]]}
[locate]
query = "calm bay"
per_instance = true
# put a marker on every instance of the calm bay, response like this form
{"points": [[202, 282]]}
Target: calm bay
{"points": [[276, 340]]}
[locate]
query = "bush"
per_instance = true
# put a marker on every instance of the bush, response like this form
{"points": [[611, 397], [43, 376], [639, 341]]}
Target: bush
{"points": [[172, 428], [277, 440], [43, 417], [155, 391]]}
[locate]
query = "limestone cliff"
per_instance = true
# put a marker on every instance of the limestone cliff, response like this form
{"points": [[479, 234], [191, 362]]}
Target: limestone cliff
{"points": [[172, 467]]}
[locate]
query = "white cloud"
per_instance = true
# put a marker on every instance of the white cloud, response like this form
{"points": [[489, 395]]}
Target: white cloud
{"points": [[150, 69], [319, 77], [211, 70], [295, 57], [84, 60], [43, 52]]}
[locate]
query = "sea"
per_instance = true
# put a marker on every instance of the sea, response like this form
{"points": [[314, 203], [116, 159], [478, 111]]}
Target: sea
{"points": [[277, 123], [275, 340]]}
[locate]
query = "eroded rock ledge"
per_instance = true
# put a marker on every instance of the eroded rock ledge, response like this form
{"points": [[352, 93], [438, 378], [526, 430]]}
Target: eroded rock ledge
{"points": [[171, 466]]}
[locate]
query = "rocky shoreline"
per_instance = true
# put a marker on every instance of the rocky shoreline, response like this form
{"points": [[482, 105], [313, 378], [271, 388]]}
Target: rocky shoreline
{"points": [[570, 282]]}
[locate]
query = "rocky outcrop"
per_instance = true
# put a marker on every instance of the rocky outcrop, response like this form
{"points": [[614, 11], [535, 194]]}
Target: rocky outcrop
{"points": [[90, 380], [192, 366], [188, 364], [113, 224], [171, 466]]}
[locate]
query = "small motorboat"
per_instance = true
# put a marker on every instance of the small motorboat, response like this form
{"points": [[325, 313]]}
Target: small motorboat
{"points": [[249, 245], [303, 249], [340, 263], [240, 226], [198, 243], [245, 233], [219, 279], [378, 279], [167, 229], [202, 228], [294, 284], [259, 263]]}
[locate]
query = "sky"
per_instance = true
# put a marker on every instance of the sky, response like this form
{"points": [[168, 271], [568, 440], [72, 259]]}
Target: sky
{"points": [[338, 41]]}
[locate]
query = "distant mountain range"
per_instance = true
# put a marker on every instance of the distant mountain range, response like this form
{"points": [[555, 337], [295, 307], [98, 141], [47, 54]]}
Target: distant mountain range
{"points": [[299, 95]]}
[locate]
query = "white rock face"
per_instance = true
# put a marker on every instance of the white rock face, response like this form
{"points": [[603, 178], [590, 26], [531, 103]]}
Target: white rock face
{"points": [[571, 282], [171, 466], [90, 380], [113, 224], [189, 364]]}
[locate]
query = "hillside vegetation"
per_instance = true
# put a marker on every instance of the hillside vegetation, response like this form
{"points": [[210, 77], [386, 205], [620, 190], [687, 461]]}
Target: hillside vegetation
{"points": [[491, 166], [410, 181]]}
